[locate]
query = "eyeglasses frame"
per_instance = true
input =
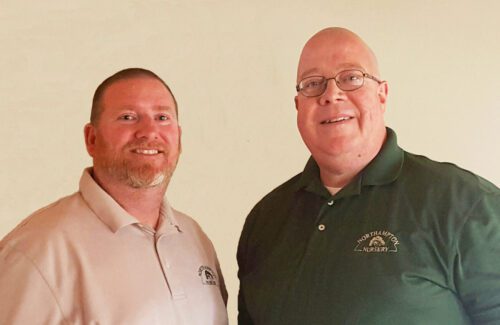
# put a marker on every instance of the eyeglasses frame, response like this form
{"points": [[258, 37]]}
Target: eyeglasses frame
{"points": [[364, 74]]}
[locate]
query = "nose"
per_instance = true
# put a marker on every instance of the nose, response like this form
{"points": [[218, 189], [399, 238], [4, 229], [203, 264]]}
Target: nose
{"points": [[147, 128], [332, 93]]}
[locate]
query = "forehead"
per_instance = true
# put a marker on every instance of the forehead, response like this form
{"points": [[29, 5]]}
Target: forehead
{"points": [[329, 52], [137, 92]]}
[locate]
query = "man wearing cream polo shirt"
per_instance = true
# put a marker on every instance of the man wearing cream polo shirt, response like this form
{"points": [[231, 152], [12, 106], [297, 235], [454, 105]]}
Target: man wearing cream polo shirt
{"points": [[116, 252]]}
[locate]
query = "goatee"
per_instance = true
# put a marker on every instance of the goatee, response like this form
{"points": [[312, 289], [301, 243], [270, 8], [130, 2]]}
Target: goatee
{"points": [[133, 173]]}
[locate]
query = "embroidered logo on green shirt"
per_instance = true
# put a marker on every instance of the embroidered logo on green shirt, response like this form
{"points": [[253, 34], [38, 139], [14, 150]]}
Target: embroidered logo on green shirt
{"points": [[379, 241]]}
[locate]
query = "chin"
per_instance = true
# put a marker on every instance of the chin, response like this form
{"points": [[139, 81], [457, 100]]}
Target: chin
{"points": [[146, 176], [146, 182], [334, 147]]}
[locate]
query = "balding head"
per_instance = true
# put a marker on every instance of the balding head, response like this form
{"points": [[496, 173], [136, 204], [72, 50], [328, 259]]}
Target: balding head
{"points": [[337, 46], [343, 128]]}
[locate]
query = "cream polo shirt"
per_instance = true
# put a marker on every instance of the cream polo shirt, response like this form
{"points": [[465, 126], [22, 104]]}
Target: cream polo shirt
{"points": [[85, 260]]}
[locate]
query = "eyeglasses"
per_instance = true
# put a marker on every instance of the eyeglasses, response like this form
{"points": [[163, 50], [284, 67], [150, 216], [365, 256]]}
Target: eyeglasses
{"points": [[347, 80]]}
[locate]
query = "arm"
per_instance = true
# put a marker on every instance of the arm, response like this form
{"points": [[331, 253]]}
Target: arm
{"points": [[477, 262], [222, 284], [25, 297], [242, 257], [243, 315]]}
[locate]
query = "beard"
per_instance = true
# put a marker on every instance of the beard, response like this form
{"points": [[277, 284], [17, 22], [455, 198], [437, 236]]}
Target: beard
{"points": [[133, 172]]}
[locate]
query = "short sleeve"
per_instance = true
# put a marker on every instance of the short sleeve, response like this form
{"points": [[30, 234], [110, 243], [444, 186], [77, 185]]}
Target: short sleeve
{"points": [[477, 262], [25, 297], [242, 257]]}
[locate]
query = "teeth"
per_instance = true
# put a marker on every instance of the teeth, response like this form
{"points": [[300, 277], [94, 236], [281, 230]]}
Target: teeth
{"points": [[147, 151], [339, 119]]}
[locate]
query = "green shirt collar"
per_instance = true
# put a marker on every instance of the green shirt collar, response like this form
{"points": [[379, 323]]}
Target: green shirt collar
{"points": [[383, 169]]}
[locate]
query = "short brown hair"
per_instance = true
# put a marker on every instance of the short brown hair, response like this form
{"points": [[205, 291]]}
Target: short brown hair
{"points": [[128, 73]]}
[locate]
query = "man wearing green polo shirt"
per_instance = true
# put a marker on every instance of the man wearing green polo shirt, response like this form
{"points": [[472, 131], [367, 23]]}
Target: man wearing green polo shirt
{"points": [[368, 233]]}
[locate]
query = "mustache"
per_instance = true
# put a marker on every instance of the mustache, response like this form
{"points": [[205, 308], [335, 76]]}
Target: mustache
{"points": [[145, 144]]}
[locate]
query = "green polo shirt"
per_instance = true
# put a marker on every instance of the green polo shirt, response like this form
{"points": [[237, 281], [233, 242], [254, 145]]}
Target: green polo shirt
{"points": [[409, 241]]}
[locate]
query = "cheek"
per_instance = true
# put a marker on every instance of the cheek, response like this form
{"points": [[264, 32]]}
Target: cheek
{"points": [[369, 108], [171, 136], [307, 130], [111, 141], [107, 142], [305, 115], [302, 122], [103, 147]]}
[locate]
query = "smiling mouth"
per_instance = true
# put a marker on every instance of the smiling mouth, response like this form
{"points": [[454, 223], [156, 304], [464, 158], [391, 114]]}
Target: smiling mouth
{"points": [[336, 120], [148, 152]]}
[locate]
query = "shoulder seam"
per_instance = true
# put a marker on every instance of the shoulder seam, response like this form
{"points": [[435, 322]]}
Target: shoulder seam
{"points": [[454, 246], [14, 249]]}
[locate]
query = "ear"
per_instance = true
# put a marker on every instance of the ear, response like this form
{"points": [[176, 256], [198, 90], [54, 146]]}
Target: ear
{"points": [[296, 100], [383, 90], [89, 135], [180, 142]]}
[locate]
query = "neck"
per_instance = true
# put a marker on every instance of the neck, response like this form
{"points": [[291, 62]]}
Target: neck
{"points": [[336, 171], [142, 203]]}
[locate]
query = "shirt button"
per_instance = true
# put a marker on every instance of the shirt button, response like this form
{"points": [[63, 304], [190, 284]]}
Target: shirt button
{"points": [[331, 202], [321, 227]]}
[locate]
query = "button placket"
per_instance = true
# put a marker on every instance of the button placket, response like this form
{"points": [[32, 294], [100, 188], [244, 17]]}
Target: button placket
{"points": [[176, 289], [321, 226]]}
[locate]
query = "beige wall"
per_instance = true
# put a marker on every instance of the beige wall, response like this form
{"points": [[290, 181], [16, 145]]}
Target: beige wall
{"points": [[232, 67]]}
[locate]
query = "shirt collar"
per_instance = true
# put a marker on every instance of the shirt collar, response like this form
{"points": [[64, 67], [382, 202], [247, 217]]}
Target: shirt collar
{"points": [[386, 166], [111, 213], [383, 169], [167, 222]]}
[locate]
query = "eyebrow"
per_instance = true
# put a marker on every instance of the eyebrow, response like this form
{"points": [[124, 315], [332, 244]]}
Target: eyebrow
{"points": [[164, 108], [343, 66], [156, 108], [305, 73]]}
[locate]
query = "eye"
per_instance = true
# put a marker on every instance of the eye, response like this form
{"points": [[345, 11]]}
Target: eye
{"points": [[127, 117], [312, 82], [164, 117], [351, 77]]}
